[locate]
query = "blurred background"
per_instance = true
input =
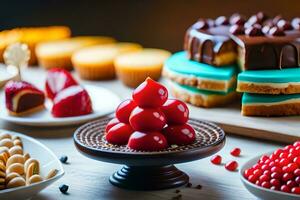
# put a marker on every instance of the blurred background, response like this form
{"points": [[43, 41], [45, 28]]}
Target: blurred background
{"points": [[160, 24]]}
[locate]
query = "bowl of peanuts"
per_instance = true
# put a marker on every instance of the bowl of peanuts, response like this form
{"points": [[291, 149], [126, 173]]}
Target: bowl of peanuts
{"points": [[26, 166]]}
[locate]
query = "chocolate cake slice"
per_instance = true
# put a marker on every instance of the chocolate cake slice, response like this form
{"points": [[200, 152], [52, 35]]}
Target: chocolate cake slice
{"points": [[23, 98]]}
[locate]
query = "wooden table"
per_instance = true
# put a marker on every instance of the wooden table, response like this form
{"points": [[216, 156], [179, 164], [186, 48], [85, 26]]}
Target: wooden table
{"points": [[88, 179]]}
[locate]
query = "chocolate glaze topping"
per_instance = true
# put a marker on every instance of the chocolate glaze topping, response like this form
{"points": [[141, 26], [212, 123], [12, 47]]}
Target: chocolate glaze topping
{"points": [[263, 43]]}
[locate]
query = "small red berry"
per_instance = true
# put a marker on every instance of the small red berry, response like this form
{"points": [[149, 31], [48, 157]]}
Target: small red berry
{"points": [[287, 176], [291, 183], [297, 172], [276, 175], [296, 144], [266, 184], [252, 178], [231, 166], [297, 160], [217, 159], [276, 169], [264, 178], [258, 172], [275, 182], [274, 188], [297, 179], [235, 152], [296, 190], [248, 172], [285, 188]]}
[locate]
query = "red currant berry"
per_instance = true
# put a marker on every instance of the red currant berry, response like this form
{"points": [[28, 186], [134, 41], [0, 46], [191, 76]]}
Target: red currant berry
{"points": [[287, 176], [248, 172], [258, 172], [176, 111], [252, 178], [297, 172], [273, 157], [275, 182], [264, 158], [285, 188], [283, 155], [276, 175], [276, 169], [278, 152], [267, 172], [124, 110], [296, 144], [111, 123], [150, 94], [263, 178], [235, 152], [179, 134], [266, 184], [297, 160], [231, 166], [274, 188], [292, 167], [258, 183], [147, 119], [297, 179], [119, 134], [296, 190], [217, 159], [283, 162], [153, 141], [291, 183], [265, 167]]}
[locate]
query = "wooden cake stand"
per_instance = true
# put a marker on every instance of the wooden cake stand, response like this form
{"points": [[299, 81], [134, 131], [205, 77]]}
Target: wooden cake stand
{"points": [[148, 170]]}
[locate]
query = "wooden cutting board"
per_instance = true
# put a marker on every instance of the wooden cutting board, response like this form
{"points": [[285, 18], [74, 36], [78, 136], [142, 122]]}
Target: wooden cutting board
{"points": [[281, 129]]}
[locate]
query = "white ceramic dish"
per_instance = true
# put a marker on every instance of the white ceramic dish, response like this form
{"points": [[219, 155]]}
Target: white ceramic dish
{"points": [[48, 161], [104, 102], [260, 192]]}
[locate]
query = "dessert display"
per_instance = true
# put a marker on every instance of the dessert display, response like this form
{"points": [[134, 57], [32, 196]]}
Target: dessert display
{"points": [[17, 168], [279, 171], [149, 134], [266, 52], [58, 53], [32, 36], [69, 99], [23, 98], [150, 121], [133, 68], [97, 62]]}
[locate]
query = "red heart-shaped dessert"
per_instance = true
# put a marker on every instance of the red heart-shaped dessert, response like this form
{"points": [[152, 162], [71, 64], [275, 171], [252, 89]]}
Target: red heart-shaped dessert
{"points": [[72, 101], [150, 94], [119, 134], [58, 79], [180, 134], [147, 119], [23, 98], [153, 141]]}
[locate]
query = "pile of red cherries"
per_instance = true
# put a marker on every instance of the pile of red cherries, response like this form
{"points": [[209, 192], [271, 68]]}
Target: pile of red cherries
{"points": [[279, 171], [150, 121]]}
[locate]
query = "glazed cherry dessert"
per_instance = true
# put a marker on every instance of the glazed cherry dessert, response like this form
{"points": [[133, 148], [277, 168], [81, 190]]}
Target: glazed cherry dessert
{"points": [[23, 98], [278, 171], [58, 79], [150, 122], [72, 101], [150, 94]]}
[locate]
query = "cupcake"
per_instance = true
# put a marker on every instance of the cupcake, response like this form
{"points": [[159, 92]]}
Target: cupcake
{"points": [[59, 53], [97, 62], [134, 68]]}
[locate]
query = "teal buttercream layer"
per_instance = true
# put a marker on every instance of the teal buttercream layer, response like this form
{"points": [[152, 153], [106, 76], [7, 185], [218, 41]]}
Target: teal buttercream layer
{"points": [[204, 92], [267, 98], [271, 76], [179, 63]]}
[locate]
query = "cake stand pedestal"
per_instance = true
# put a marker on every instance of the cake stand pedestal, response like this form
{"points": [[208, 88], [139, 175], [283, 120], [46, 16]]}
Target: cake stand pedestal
{"points": [[148, 170]]}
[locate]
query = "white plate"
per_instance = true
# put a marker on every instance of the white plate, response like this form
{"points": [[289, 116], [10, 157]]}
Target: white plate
{"points": [[48, 161], [6, 75], [104, 102], [260, 192]]}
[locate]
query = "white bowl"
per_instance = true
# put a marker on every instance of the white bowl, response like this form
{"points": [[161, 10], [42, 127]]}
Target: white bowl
{"points": [[48, 161], [260, 192]]}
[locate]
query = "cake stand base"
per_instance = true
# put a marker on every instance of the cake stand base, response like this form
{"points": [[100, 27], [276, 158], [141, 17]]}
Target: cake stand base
{"points": [[149, 177]]}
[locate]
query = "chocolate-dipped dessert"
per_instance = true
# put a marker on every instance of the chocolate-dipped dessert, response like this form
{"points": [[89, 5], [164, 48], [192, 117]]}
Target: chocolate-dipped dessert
{"points": [[23, 98], [208, 41], [256, 43]]}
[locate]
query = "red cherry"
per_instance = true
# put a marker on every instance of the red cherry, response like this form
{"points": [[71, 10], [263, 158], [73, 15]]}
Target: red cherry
{"points": [[297, 160], [291, 183], [297, 179], [119, 134], [276, 175], [217, 159], [231, 166], [297, 172], [248, 172], [266, 184], [111, 123], [235, 152], [176, 111], [58, 79], [147, 119], [275, 182], [264, 177], [285, 188], [150, 94], [252, 178], [179, 134], [287, 176], [153, 141], [72, 101], [296, 190], [258, 172], [124, 110]]}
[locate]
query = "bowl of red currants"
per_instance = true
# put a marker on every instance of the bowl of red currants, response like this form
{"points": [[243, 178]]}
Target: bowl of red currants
{"points": [[274, 175], [149, 134]]}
